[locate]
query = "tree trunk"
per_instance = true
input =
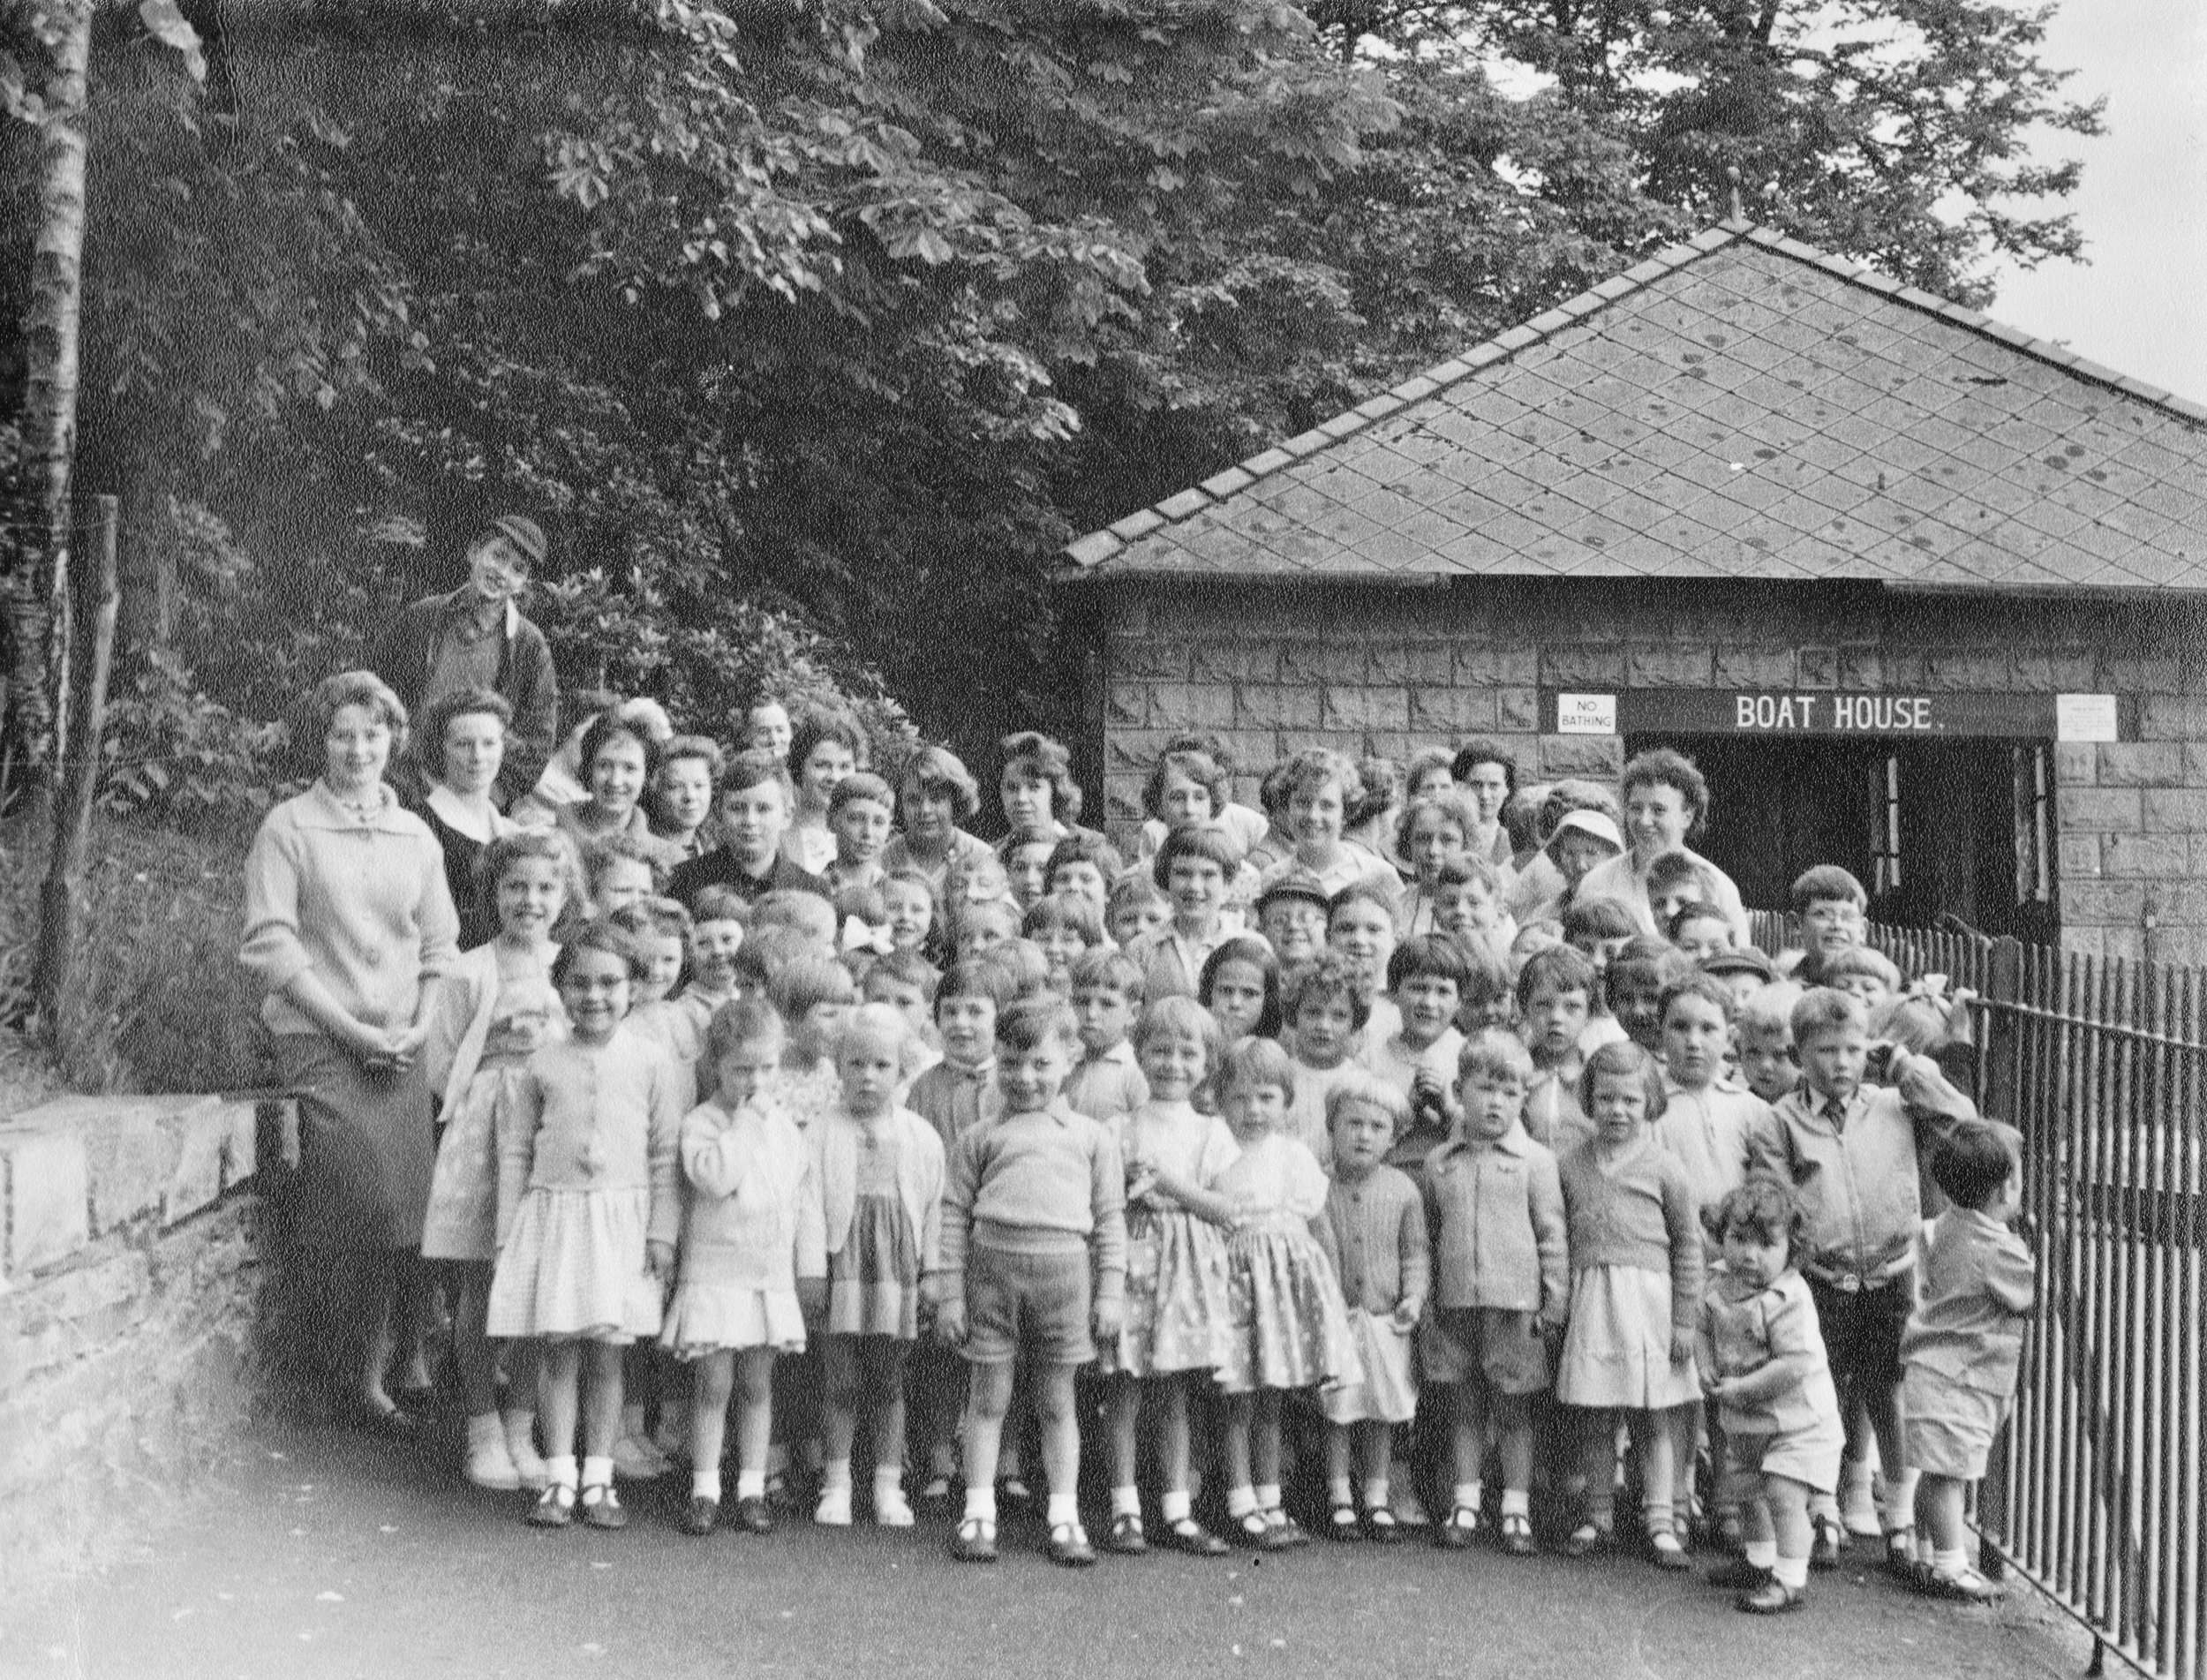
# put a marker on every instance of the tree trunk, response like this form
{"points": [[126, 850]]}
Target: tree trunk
{"points": [[36, 557]]}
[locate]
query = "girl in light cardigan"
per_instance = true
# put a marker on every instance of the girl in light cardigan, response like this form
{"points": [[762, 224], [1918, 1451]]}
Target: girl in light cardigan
{"points": [[751, 1230], [879, 1168], [494, 1011], [1636, 1260], [588, 1207]]}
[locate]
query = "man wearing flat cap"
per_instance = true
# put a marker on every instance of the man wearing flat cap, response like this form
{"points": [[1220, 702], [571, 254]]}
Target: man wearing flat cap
{"points": [[476, 637]]}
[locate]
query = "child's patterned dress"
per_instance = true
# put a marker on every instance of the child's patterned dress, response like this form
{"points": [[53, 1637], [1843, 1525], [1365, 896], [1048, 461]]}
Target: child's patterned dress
{"points": [[1177, 1299]]}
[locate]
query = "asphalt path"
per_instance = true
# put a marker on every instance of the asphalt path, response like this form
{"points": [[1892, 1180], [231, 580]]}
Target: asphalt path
{"points": [[323, 1553]]}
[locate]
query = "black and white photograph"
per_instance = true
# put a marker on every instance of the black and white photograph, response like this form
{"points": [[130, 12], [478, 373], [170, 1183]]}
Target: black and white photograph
{"points": [[1108, 838]]}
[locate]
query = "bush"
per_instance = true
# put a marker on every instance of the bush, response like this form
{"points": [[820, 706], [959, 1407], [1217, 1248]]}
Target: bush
{"points": [[156, 1001], [172, 752]]}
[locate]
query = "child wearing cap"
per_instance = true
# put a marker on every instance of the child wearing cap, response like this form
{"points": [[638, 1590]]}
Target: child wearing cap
{"points": [[1292, 917]]}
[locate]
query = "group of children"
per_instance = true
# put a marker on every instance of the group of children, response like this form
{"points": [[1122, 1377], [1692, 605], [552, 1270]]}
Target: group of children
{"points": [[1239, 1175]]}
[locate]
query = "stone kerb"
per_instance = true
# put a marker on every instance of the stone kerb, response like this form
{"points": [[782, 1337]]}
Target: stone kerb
{"points": [[129, 1289]]}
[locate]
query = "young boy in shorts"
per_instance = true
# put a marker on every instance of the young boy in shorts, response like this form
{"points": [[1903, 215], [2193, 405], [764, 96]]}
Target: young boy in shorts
{"points": [[1495, 1205], [1034, 1268]]}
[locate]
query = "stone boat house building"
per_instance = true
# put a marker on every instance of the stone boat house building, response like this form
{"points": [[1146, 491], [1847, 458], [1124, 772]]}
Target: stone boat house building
{"points": [[1922, 595]]}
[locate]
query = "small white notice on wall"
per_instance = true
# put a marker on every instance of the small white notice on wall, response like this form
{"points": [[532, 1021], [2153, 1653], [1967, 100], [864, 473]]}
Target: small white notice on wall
{"points": [[2085, 716], [1585, 714]]}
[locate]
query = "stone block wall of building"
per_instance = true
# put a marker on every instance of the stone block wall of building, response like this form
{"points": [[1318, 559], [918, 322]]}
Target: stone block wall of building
{"points": [[129, 1292], [1383, 669]]}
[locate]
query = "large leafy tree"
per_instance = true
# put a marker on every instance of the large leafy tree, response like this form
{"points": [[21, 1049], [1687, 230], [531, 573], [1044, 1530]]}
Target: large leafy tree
{"points": [[814, 329]]}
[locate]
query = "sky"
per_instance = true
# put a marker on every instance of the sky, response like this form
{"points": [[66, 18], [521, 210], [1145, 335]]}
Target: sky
{"points": [[2139, 303]]}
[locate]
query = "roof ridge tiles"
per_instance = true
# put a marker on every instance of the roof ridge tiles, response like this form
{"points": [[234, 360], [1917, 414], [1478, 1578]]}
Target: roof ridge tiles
{"points": [[1092, 549]]}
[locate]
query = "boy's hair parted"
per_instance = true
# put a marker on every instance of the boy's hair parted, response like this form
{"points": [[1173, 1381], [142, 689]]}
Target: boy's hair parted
{"points": [[1828, 884], [1696, 984], [1973, 1159], [1253, 1061], [1825, 1010], [1361, 1087], [1203, 841], [1761, 1207], [1495, 1054], [973, 978], [1245, 947], [1560, 968], [806, 982], [1096, 967], [1624, 1060], [740, 1021], [861, 785], [1598, 919], [1030, 1022], [754, 768], [600, 935], [1436, 956], [1328, 974], [1178, 1012], [902, 968]]}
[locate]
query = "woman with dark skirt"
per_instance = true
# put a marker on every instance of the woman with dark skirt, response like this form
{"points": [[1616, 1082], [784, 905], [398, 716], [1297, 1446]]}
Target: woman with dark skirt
{"points": [[349, 924]]}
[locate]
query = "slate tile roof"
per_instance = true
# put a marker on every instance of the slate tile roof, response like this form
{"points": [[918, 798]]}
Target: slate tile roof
{"points": [[1742, 406]]}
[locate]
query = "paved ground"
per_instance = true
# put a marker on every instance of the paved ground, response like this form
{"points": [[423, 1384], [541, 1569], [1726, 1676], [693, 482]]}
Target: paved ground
{"points": [[329, 1555]]}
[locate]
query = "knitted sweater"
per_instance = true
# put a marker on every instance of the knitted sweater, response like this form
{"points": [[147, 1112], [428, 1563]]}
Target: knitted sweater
{"points": [[1635, 1209], [1046, 1182], [1379, 1228]]}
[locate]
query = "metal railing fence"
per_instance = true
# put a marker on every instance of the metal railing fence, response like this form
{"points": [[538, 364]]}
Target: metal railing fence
{"points": [[2095, 1494]]}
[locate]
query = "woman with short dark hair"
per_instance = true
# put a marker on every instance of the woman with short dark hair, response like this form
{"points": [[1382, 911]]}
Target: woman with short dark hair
{"points": [[1666, 802], [462, 748]]}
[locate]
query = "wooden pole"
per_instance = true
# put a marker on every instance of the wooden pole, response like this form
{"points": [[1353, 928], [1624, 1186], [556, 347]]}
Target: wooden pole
{"points": [[97, 600]]}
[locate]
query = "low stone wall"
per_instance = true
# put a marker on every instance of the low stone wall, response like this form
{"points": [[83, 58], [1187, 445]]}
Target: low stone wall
{"points": [[130, 1285]]}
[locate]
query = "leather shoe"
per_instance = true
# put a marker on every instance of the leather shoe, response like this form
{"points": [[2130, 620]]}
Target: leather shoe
{"points": [[755, 1516], [1069, 1545], [702, 1517]]}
